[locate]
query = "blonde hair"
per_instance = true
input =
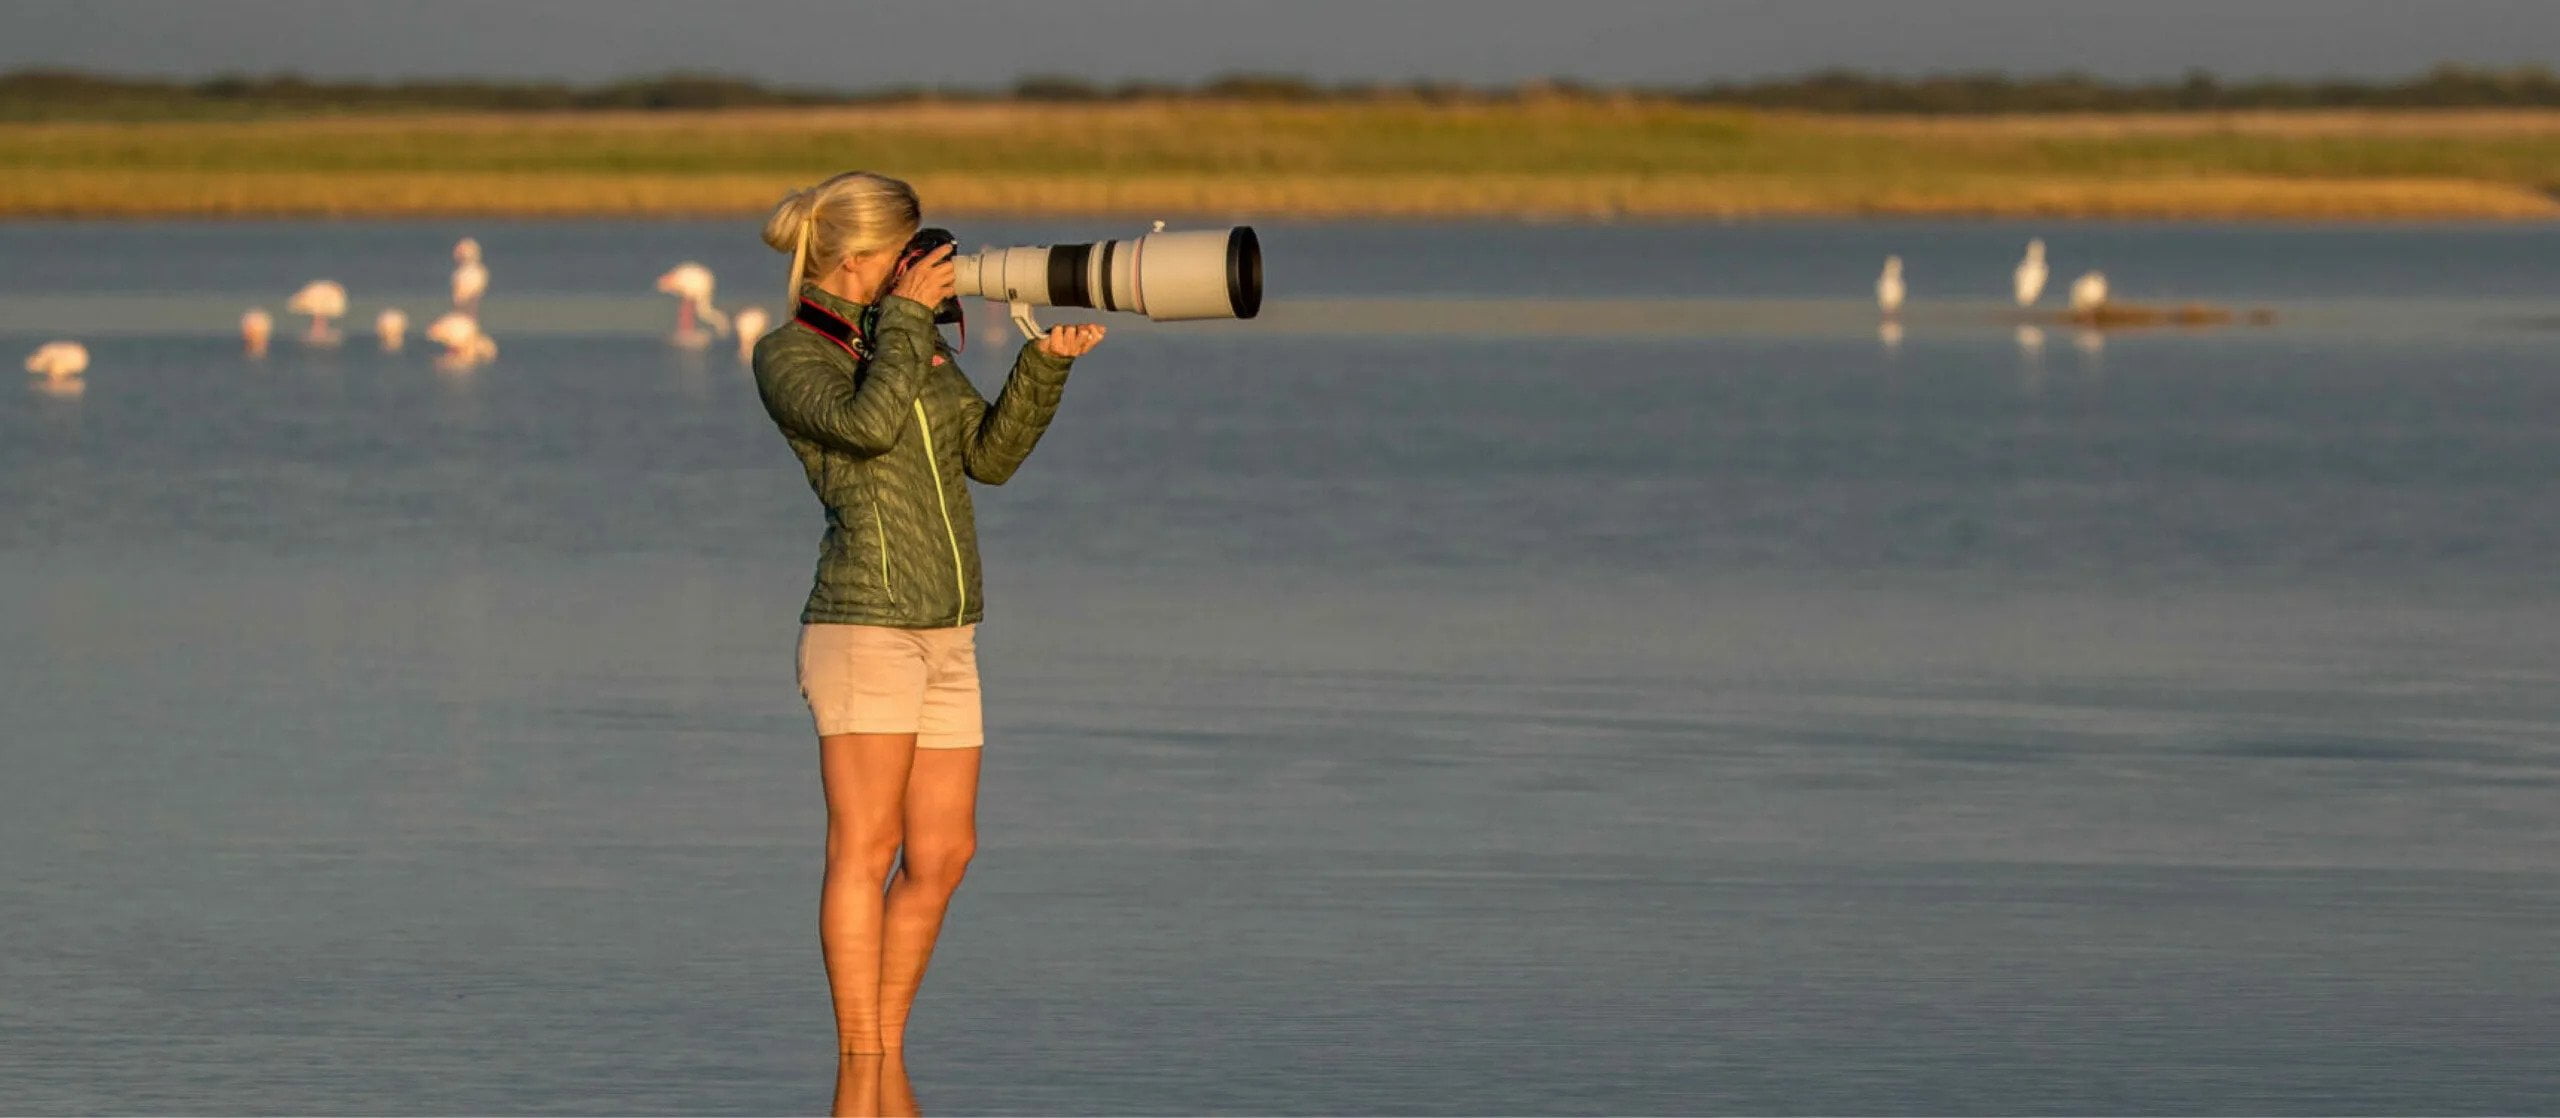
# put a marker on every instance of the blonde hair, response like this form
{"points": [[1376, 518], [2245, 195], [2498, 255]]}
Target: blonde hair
{"points": [[854, 212]]}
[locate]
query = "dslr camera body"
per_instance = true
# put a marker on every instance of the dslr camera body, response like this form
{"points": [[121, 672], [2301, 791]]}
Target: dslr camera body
{"points": [[918, 247]]}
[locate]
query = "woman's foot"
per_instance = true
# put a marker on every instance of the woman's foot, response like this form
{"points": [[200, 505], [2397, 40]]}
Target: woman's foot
{"points": [[857, 1087]]}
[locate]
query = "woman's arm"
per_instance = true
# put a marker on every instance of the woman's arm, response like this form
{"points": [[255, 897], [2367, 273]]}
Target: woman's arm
{"points": [[861, 415], [1001, 435]]}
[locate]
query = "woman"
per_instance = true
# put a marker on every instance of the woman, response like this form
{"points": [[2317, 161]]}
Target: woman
{"points": [[889, 430]]}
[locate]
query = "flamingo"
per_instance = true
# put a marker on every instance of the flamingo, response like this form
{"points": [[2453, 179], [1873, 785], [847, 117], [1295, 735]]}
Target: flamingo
{"points": [[2031, 274], [322, 300], [57, 361], [470, 276], [255, 326], [1889, 289], [391, 326], [751, 323], [2089, 292], [464, 344], [692, 286]]}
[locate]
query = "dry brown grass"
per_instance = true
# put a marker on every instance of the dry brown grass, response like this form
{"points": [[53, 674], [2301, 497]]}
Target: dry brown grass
{"points": [[2465, 123], [1540, 160]]}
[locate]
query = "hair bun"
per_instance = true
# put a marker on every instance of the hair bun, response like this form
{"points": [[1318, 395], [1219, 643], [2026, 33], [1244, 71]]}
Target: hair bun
{"points": [[782, 230]]}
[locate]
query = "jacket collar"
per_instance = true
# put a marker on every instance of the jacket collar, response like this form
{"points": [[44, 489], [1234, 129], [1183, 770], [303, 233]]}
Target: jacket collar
{"points": [[838, 320], [845, 309]]}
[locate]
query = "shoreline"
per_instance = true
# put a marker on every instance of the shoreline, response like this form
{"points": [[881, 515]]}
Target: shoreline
{"points": [[1566, 163]]}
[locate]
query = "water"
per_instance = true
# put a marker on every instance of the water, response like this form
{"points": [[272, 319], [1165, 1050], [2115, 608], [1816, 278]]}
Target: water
{"points": [[1544, 669]]}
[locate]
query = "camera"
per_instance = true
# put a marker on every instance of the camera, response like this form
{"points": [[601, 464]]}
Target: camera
{"points": [[1165, 276], [918, 247]]}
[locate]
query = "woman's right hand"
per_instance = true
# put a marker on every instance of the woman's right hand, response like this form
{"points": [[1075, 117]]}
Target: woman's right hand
{"points": [[929, 281]]}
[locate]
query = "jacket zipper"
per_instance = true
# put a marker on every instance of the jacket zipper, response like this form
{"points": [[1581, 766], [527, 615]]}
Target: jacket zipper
{"points": [[959, 577], [883, 534]]}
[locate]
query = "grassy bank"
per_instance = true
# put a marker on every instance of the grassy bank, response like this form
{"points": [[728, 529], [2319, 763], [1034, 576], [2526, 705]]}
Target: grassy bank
{"points": [[1568, 159]]}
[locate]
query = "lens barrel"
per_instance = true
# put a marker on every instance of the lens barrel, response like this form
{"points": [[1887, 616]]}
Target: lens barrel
{"points": [[1165, 276]]}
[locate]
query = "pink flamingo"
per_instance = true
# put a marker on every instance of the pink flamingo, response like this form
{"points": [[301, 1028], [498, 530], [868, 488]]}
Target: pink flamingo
{"points": [[691, 284], [59, 360], [256, 325], [464, 344], [322, 300], [470, 276], [751, 324]]}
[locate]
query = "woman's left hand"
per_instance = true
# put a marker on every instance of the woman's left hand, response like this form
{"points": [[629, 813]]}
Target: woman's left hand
{"points": [[1071, 340]]}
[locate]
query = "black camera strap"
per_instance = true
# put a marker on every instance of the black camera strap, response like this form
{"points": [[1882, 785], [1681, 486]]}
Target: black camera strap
{"points": [[834, 327]]}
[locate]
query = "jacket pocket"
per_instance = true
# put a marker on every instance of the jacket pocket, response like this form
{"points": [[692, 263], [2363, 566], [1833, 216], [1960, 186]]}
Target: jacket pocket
{"points": [[880, 542]]}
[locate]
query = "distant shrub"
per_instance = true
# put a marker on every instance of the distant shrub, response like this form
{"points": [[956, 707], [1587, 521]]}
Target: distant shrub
{"points": [[66, 94]]}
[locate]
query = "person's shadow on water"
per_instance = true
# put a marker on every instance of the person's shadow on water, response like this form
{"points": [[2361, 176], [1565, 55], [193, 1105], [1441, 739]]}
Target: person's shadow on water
{"points": [[874, 1087]]}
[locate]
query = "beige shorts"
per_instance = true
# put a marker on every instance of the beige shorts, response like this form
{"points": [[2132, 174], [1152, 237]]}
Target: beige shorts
{"points": [[872, 679]]}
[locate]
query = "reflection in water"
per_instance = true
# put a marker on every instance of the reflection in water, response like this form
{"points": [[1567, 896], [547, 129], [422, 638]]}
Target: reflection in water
{"points": [[2091, 343], [2031, 359], [874, 1087], [59, 388], [693, 373], [1890, 333]]}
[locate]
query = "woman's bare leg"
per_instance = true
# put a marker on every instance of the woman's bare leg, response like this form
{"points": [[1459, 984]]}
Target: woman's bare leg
{"points": [[941, 835], [897, 1096], [857, 1086], [866, 782]]}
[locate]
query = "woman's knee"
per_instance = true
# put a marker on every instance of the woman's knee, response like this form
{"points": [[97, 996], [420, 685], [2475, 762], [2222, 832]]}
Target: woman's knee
{"points": [[940, 863], [868, 851]]}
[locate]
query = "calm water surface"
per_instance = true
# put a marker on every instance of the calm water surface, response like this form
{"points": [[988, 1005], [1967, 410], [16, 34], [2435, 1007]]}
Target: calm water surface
{"points": [[1545, 669]]}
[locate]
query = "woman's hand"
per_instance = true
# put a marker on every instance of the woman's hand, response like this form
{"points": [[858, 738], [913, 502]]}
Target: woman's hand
{"points": [[1071, 341], [929, 281]]}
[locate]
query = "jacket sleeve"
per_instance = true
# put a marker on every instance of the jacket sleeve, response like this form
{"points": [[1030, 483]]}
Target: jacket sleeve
{"points": [[861, 415], [999, 436]]}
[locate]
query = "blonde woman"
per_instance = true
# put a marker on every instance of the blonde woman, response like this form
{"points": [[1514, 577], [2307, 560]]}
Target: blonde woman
{"points": [[890, 433]]}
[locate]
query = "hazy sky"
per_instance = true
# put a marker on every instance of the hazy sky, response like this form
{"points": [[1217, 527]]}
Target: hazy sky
{"points": [[838, 43]]}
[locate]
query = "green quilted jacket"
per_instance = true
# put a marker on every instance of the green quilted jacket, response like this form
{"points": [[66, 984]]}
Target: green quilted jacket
{"points": [[889, 444]]}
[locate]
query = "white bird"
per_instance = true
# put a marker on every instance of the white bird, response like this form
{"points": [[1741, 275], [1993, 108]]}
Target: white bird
{"points": [[59, 360], [2089, 292], [322, 300], [1889, 290], [751, 324], [255, 327], [2031, 274], [692, 286], [464, 344], [470, 276], [392, 327]]}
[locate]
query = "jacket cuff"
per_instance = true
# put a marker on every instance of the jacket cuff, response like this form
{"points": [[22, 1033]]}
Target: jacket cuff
{"points": [[1037, 360], [897, 312]]}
